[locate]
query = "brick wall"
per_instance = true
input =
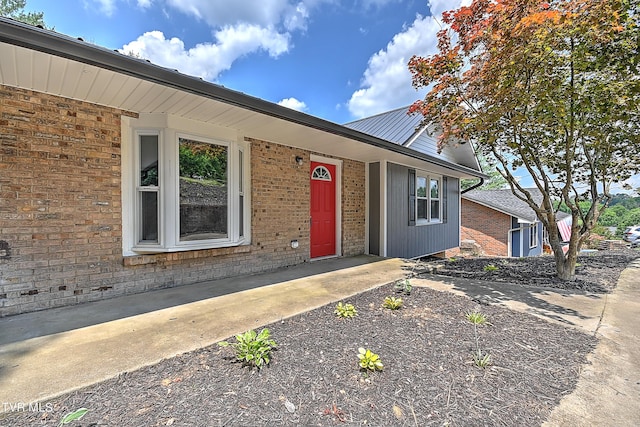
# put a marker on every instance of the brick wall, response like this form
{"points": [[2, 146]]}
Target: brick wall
{"points": [[61, 221], [60, 202], [353, 208], [487, 227]]}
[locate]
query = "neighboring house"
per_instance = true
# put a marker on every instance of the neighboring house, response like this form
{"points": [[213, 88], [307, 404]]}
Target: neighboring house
{"points": [[118, 176], [429, 222], [500, 224]]}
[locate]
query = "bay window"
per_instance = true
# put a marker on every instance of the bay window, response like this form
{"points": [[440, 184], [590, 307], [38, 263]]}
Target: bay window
{"points": [[190, 191]]}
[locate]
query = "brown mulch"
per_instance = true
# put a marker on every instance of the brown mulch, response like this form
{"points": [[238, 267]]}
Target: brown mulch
{"points": [[429, 375], [596, 272]]}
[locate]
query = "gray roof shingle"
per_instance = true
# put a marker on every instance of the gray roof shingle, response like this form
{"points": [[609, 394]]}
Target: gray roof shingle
{"points": [[505, 202]]}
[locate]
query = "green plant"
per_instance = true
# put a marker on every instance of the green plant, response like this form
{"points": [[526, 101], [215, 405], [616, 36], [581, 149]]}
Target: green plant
{"points": [[481, 359], [73, 416], [404, 286], [490, 267], [476, 317], [251, 348], [392, 303], [369, 361], [345, 310]]}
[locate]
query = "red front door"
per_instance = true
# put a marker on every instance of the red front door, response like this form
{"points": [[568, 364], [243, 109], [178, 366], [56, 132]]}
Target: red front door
{"points": [[323, 209]]}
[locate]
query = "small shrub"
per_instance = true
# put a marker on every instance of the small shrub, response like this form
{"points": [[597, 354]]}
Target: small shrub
{"points": [[404, 286], [345, 310], [490, 267], [251, 348], [392, 303], [369, 361]]}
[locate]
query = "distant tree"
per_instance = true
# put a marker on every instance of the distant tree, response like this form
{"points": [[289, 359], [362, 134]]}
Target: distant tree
{"points": [[495, 182], [548, 86], [612, 217], [15, 9], [625, 200], [631, 217]]}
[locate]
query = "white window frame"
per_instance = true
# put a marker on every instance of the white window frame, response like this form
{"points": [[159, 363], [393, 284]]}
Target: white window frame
{"points": [[169, 131], [533, 236], [429, 177]]}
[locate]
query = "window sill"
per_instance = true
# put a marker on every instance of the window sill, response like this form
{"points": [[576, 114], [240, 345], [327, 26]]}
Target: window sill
{"points": [[157, 258], [421, 223]]}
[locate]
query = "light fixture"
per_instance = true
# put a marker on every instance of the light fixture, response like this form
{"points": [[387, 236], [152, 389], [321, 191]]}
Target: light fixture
{"points": [[299, 160]]}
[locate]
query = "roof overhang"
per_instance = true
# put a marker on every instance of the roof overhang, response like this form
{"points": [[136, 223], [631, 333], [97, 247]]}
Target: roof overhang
{"points": [[518, 217], [45, 61]]}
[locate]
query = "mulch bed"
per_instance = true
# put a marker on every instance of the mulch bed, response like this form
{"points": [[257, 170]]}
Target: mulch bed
{"points": [[429, 375], [595, 272]]}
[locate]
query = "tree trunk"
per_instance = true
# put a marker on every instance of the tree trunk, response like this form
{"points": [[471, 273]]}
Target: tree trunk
{"points": [[566, 264]]}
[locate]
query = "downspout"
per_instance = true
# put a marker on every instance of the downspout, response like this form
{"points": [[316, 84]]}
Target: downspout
{"points": [[473, 187]]}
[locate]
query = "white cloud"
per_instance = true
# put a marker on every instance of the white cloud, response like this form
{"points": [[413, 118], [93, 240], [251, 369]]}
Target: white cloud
{"points": [[629, 186], [367, 4], [207, 60], [294, 104], [238, 30], [107, 7], [386, 83], [267, 13], [439, 6]]}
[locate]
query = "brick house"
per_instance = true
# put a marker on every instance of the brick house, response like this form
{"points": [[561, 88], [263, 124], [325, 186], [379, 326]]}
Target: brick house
{"points": [[118, 176], [497, 223]]}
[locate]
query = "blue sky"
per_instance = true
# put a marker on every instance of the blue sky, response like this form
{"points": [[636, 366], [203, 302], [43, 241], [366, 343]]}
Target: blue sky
{"points": [[332, 59]]}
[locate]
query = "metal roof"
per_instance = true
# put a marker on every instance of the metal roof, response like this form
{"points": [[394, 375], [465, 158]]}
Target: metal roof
{"points": [[396, 126], [45, 61]]}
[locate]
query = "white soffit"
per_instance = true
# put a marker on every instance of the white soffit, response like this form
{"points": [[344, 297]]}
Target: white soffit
{"points": [[47, 73]]}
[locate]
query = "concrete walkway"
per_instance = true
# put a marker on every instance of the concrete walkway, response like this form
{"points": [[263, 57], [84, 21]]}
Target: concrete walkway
{"points": [[46, 354]]}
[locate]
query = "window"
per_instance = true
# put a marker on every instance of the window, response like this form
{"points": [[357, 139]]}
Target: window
{"points": [[428, 198], [533, 236], [321, 173], [203, 190], [190, 192], [148, 189]]}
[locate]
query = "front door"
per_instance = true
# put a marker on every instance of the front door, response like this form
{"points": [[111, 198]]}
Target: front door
{"points": [[323, 209]]}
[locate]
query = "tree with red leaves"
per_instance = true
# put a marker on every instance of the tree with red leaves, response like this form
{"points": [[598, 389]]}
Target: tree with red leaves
{"points": [[551, 87]]}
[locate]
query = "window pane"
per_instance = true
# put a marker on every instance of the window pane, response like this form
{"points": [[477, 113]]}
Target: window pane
{"points": [[435, 210], [149, 160], [203, 190], [435, 189], [149, 211], [421, 191], [422, 208]]}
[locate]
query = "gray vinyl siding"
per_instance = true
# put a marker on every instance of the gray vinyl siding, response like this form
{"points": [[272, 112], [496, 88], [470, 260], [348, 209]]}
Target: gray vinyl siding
{"points": [[374, 209], [407, 241], [429, 145]]}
